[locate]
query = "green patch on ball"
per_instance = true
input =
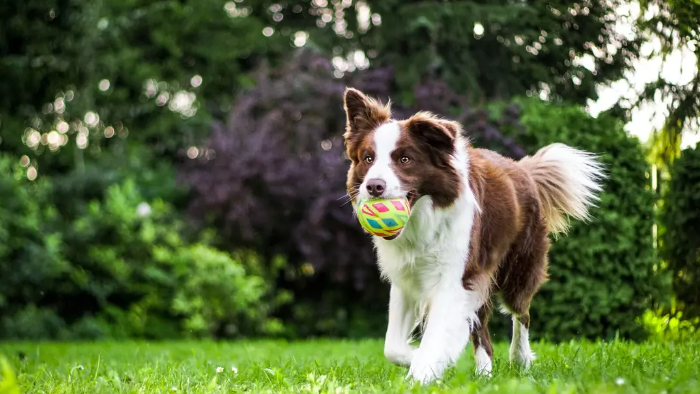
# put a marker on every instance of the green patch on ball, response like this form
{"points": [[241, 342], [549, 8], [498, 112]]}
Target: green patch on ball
{"points": [[383, 217]]}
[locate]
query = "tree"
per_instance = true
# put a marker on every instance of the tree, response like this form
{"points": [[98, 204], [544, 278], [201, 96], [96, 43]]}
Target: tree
{"points": [[491, 49], [94, 94], [157, 71], [80, 76], [676, 24]]}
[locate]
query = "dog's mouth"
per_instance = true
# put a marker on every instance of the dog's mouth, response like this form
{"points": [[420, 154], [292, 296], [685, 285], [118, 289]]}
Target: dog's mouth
{"points": [[411, 197]]}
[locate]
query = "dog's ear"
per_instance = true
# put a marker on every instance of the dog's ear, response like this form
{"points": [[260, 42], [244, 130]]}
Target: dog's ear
{"points": [[437, 133], [363, 113]]}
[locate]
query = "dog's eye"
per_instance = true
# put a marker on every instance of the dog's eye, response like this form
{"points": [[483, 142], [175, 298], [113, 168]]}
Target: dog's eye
{"points": [[404, 160], [368, 159]]}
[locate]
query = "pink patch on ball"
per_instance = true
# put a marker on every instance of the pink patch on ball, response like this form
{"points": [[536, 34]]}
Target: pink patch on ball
{"points": [[398, 205], [380, 207]]}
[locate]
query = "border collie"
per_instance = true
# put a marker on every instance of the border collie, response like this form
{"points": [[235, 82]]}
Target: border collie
{"points": [[479, 226]]}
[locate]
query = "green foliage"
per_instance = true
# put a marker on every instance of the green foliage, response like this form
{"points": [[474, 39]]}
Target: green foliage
{"points": [[680, 241], [93, 94], [670, 325], [101, 98], [135, 252], [8, 381], [491, 49], [342, 367], [675, 25], [134, 64], [111, 77], [603, 274], [30, 245], [120, 268], [524, 47]]}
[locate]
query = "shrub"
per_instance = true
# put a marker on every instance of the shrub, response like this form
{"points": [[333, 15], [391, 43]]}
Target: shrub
{"points": [[603, 274], [670, 324], [120, 268], [31, 259], [680, 242], [150, 281]]}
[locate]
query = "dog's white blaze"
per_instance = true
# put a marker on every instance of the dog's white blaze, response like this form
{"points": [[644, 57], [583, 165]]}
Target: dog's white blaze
{"points": [[483, 362], [520, 345], [426, 263], [385, 138]]}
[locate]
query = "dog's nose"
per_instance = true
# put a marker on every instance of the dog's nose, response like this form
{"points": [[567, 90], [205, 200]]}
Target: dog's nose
{"points": [[375, 187]]}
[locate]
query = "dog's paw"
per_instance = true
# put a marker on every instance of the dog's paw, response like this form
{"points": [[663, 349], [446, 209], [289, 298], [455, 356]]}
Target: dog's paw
{"points": [[400, 356], [484, 365], [425, 372], [424, 377], [523, 359]]}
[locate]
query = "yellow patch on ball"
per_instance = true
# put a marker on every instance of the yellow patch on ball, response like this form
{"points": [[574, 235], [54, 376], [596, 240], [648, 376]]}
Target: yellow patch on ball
{"points": [[383, 217]]}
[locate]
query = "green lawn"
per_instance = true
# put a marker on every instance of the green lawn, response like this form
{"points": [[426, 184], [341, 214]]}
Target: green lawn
{"points": [[339, 367]]}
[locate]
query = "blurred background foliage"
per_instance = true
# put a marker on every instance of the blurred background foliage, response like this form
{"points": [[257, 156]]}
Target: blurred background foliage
{"points": [[175, 168], [680, 241]]}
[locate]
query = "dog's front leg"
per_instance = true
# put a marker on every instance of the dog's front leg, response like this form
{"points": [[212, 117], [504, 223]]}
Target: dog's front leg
{"points": [[402, 321], [451, 316]]}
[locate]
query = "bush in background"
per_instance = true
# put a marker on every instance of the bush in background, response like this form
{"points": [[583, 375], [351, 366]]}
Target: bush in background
{"points": [[603, 274], [120, 268], [670, 324], [680, 241], [31, 248]]}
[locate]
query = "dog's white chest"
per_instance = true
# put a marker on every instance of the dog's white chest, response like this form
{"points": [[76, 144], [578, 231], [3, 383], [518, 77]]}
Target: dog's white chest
{"points": [[434, 245], [435, 242], [416, 275]]}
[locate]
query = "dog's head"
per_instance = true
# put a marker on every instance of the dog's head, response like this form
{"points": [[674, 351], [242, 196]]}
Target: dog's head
{"points": [[399, 158]]}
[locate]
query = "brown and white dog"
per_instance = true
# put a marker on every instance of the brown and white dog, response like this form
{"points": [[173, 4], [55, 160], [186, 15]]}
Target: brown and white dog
{"points": [[479, 225]]}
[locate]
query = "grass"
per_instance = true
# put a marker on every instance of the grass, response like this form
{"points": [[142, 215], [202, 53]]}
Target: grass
{"points": [[340, 367]]}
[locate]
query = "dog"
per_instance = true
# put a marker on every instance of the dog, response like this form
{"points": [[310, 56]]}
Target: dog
{"points": [[479, 225]]}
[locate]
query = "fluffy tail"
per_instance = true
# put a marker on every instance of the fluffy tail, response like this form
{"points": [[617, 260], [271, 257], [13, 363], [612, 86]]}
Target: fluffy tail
{"points": [[567, 182]]}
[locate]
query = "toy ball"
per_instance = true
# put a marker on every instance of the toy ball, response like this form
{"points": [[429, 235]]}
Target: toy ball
{"points": [[382, 217]]}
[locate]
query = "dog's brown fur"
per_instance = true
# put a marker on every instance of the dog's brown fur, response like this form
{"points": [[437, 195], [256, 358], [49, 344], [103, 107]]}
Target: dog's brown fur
{"points": [[509, 240]]}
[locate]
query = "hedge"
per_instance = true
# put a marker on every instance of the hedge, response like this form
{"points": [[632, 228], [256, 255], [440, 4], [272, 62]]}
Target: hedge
{"points": [[602, 274], [680, 242]]}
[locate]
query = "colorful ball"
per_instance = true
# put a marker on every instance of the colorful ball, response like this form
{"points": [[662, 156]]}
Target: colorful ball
{"points": [[382, 217]]}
